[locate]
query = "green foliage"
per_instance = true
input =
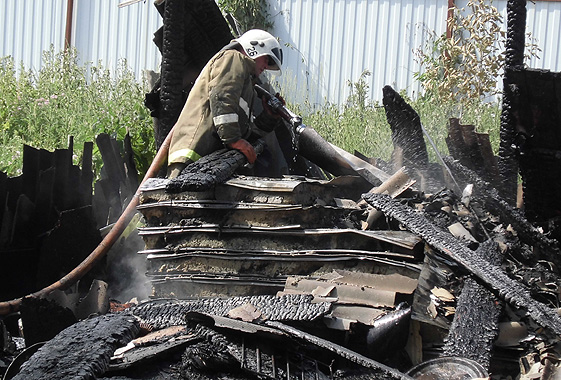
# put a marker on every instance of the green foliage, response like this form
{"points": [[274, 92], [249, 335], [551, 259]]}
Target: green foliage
{"points": [[361, 125], [466, 66], [249, 14], [42, 109]]}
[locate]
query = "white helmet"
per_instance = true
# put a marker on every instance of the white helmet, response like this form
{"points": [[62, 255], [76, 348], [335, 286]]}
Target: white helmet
{"points": [[257, 42]]}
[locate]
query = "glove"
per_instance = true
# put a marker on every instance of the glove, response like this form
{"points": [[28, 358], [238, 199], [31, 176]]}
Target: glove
{"points": [[268, 108], [246, 148]]}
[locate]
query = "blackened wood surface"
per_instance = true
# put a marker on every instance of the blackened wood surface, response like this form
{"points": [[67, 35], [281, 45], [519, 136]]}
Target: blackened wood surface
{"points": [[209, 171], [173, 59], [46, 213], [476, 321], [472, 149], [81, 351], [31, 159], [131, 173], [405, 123], [508, 289], [514, 59], [63, 187], [46, 217], [538, 121], [43, 319], [67, 245], [87, 177]]}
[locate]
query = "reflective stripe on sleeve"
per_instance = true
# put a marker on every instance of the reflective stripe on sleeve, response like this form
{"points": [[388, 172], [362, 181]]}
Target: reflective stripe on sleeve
{"points": [[178, 155], [225, 119], [244, 106]]}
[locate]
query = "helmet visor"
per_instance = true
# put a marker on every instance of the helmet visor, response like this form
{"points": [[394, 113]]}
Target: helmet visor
{"points": [[275, 59]]}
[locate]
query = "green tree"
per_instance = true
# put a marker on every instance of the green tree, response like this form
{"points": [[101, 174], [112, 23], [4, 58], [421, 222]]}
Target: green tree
{"points": [[248, 14], [465, 66]]}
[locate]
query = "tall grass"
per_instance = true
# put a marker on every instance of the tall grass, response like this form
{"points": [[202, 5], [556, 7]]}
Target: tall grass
{"points": [[361, 124], [64, 98], [43, 108]]}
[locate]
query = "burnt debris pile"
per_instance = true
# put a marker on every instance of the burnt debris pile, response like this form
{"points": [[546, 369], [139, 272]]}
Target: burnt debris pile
{"points": [[338, 269], [400, 271], [383, 274]]}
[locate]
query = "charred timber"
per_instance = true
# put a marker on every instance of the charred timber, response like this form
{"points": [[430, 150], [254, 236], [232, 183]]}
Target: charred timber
{"points": [[538, 143], [173, 57], [290, 307], [527, 232], [81, 351], [508, 289], [514, 57], [387, 372], [405, 124], [476, 321], [389, 332], [210, 170]]}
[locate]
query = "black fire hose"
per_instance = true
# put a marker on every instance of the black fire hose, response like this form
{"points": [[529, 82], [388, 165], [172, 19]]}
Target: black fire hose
{"points": [[308, 142]]}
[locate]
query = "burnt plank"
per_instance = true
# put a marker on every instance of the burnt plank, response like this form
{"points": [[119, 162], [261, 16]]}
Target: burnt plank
{"points": [[476, 321], [489, 159], [130, 167], [120, 164], [111, 175], [67, 245], [23, 230], [31, 157], [111, 161], [112, 198], [405, 124], [100, 205], [87, 177], [508, 289], [82, 350], [3, 199], [45, 211], [63, 187], [472, 149]]}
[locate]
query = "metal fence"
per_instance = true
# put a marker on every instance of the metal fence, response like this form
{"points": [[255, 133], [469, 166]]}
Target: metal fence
{"points": [[328, 43]]}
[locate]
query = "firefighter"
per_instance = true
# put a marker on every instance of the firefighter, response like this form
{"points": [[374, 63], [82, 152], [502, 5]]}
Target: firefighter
{"points": [[218, 110]]}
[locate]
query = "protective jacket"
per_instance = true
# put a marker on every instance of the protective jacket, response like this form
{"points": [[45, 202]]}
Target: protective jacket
{"points": [[218, 108]]}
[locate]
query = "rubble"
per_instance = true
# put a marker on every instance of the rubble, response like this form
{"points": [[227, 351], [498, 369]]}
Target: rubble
{"points": [[340, 269]]}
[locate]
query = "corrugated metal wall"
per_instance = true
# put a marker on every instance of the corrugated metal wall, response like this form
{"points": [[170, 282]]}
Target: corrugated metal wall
{"points": [[328, 42], [331, 42], [103, 31], [100, 31], [29, 28]]}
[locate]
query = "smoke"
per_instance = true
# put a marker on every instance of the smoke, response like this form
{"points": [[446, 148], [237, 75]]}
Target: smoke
{"points": [[126, 269]]}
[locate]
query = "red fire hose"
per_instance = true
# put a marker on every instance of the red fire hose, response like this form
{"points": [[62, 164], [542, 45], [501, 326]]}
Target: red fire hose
{"points": [[101, 250]]}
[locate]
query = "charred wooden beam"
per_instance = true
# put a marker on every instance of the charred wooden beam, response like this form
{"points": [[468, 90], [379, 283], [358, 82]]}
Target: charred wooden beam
{"points": [[388, 372], [289, 307], [407, 133], [87, 176], [173, 58], [538, 141], [43, 319], [472, 149], [210, 170], [81, 351], [508, 289], [514, 57], [475, 326], [528, 233]]}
